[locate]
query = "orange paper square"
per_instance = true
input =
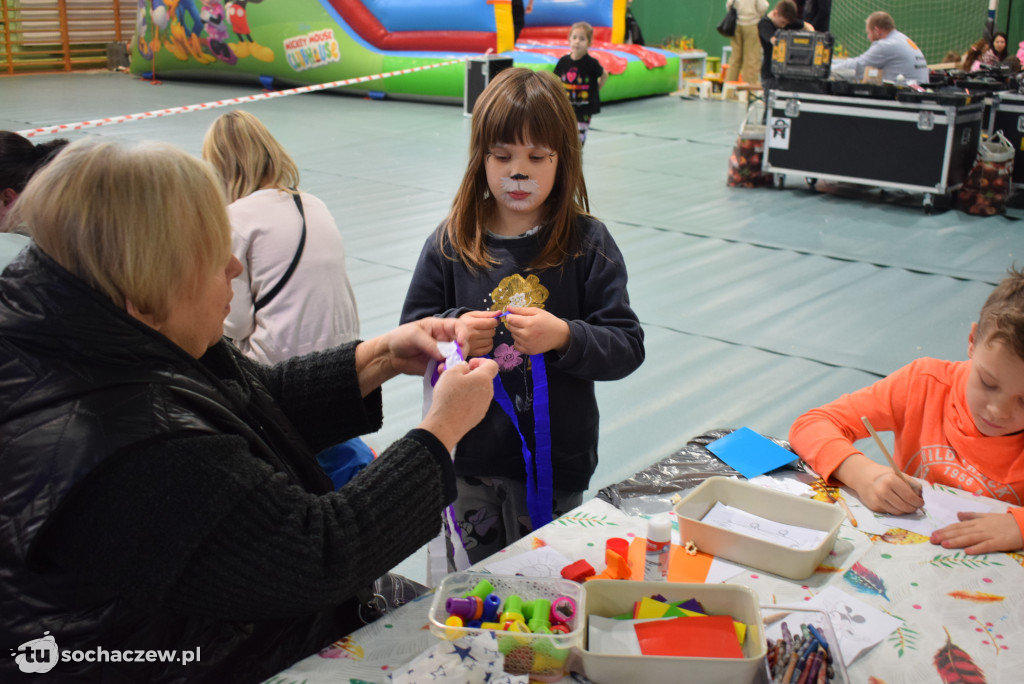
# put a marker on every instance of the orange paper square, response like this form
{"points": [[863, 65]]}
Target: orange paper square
{"points": [[682, 567]]}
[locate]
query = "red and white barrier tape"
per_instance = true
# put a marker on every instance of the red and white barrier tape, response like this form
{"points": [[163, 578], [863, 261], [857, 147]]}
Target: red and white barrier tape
{"points": [[95, 123]]}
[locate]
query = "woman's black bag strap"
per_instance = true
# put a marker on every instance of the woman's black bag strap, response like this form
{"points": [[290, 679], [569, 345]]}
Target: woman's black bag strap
{"points": [[265, 299]]}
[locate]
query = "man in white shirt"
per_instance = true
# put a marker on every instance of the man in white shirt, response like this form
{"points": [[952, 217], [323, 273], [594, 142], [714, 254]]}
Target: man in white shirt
{"points": [[891, 51]]}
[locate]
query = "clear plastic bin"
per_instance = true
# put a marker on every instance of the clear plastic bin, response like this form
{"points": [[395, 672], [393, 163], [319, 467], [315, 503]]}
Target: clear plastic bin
{"points": [[773, 617], [542, 656]]}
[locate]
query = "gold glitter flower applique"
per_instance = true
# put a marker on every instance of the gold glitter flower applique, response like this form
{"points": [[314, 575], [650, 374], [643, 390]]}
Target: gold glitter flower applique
{"points": [[515, 290]]}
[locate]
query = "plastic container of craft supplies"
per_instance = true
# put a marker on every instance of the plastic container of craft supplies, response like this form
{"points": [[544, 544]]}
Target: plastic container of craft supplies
{"points": [[609, 598], [542, 656], [773, 616]]}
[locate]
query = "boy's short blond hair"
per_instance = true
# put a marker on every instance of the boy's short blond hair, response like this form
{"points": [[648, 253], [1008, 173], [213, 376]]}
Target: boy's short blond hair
{"points": [[1002, 317], [139, 223], [588, 30]]}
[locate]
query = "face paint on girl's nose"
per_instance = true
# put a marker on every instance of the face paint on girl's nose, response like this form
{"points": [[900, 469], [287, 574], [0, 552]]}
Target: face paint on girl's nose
{"points": [[518, 183]]}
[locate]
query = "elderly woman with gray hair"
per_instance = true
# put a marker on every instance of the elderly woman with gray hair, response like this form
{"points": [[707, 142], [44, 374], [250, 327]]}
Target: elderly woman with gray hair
{"points": [[159, 488]]}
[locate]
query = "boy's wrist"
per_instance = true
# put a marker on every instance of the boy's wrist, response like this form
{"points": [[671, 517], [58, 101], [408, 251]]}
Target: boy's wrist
{"points": [[857, 471]]}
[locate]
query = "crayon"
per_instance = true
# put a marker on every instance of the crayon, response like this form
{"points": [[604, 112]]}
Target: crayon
{"points": [[821, 640], [787, 676], [818, 664]]}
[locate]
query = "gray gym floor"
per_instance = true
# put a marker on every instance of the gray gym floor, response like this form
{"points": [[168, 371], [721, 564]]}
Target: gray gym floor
{"points": [[757, 303]]}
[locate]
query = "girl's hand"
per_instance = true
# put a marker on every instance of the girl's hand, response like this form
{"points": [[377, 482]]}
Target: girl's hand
{"points": [[536, 331], [461, 397], [477, 328], [980, 533]]}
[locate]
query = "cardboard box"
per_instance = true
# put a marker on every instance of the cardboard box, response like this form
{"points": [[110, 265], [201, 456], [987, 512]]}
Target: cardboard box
{"points": [[539, 655], [766, 503], [608, 598]]}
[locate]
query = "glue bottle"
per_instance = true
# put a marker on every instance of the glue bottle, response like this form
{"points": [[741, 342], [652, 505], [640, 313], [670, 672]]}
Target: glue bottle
{"points": [[659, 534]]}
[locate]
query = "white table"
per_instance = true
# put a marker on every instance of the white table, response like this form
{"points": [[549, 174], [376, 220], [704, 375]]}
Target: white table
{"points": [[943, 597]]}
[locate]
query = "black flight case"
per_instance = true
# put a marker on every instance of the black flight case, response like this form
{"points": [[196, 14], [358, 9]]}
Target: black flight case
{"points": [[1008, 116], [924, 147]]}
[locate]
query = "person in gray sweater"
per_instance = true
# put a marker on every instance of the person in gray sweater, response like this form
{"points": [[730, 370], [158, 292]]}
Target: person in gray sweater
{"points": [[894, 53], [160, 494]]}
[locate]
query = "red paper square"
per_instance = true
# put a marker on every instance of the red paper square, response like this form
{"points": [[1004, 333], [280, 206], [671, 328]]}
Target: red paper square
{"points": [[712, 636]]}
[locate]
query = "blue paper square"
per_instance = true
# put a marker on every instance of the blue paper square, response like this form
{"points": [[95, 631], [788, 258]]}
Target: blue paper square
{"points": [[750, 453]]}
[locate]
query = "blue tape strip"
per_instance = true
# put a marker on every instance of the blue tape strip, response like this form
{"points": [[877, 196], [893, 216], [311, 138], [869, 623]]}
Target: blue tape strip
{"points": [[539, 487]]}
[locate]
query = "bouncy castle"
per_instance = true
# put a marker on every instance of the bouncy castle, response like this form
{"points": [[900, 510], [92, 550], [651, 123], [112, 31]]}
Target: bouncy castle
{"points": [[287, 43]]}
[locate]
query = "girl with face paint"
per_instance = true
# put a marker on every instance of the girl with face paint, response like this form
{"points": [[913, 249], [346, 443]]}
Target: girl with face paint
{"points": [[541, 286]]}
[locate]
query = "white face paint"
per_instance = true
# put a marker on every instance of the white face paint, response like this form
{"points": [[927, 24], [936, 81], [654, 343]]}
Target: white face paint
{"points": [[517, 193], [520, 177]]}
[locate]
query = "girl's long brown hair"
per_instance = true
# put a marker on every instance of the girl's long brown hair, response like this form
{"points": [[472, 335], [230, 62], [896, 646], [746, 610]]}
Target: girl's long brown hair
{"points": [[521, 106]]}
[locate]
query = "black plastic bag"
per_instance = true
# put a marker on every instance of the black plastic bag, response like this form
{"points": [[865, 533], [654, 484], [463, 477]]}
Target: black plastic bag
{"points": [[650, 490], [388, 593]]}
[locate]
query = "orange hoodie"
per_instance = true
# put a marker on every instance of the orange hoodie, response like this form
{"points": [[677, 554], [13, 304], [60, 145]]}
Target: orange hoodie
{"points": [[924, 405]]}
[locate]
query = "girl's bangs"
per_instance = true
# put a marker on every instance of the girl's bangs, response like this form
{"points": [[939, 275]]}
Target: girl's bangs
{"points": [[518, 124]]}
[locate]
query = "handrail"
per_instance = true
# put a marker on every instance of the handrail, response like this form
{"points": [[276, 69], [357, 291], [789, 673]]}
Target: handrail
{"points": [[66, 35]]}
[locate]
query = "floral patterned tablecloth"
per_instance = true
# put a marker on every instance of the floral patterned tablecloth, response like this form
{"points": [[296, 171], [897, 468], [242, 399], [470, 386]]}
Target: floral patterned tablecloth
{"points": [[961, 616]]}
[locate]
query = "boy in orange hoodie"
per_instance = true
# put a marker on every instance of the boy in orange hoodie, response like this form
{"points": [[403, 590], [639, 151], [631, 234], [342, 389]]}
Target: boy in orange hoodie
{"points": [[956, 423]]}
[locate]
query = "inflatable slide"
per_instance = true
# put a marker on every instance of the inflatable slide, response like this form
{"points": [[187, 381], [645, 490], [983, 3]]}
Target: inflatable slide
{"points": [[286, 43]]}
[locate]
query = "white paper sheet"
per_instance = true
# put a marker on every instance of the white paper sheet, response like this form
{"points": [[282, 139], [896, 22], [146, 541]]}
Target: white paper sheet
{"points": [[612, 637], [736, 520], [856, 625], [788, 485], [541, 562], [940, 509]]}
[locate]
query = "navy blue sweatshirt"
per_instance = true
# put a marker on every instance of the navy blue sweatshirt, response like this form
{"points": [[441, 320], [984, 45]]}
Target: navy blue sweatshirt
{"points": [[606, 343]]}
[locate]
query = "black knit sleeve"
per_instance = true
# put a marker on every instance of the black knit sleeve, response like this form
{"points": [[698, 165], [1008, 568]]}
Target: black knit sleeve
{"points": [[202, 527], [319, 392]]}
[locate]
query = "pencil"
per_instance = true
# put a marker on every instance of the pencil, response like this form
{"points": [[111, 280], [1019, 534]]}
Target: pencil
{"points": [[888, 457], [841, 502]]}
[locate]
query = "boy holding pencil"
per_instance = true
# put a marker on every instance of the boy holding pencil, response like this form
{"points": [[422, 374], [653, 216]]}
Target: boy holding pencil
{"points": [[956, 423]]}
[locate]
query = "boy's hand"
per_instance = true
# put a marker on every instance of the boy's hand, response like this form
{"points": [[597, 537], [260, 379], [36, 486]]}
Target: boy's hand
{"points": [[478, 327], [888, 493], [877, 486], [981, 533], [536, 331]]}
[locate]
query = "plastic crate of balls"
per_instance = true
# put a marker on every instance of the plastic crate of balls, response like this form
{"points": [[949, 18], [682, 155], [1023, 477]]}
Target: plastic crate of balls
{"points": [[536, 620]]}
